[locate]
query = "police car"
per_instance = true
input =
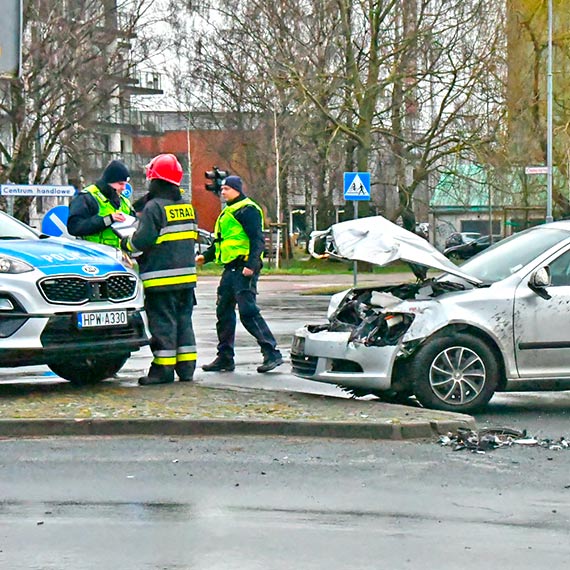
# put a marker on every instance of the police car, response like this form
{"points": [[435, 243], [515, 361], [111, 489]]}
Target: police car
{"points": [[69, 304]]}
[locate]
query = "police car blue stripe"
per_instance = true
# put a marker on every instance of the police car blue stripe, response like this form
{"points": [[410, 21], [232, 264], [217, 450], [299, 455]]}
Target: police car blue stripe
{"points": [[54, 256]]}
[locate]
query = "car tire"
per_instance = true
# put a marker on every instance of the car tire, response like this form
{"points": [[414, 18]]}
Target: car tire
{"points": [[456, 373], [88, 370]]}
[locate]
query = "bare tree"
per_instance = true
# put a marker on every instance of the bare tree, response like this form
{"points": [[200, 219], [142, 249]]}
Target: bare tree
{"points": [[397, 84], [75, 57]]}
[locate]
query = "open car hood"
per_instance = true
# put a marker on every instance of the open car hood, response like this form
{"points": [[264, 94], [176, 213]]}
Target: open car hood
{"points": [[377, 240]]}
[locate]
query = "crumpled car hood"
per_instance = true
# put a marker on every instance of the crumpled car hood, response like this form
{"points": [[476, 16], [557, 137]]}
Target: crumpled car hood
{"points": [[378, 241]]}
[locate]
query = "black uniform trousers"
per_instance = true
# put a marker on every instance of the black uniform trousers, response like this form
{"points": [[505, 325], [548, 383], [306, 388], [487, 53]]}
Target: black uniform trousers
{"points": [[172, 342], [234, 289]]}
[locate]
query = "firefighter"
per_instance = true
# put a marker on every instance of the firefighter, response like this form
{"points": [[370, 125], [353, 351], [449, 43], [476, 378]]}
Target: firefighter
{"points": [[165, 236], [96, 207]]}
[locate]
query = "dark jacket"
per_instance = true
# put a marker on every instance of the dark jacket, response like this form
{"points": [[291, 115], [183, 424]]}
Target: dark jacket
{"points": [[84, 219], [165, 235]]}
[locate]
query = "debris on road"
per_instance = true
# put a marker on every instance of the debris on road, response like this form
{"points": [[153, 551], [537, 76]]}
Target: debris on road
{"points": [[489, 439]]}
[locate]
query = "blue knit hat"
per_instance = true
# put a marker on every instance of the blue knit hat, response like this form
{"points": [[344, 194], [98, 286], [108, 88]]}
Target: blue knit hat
{"points": [[233, 182]]}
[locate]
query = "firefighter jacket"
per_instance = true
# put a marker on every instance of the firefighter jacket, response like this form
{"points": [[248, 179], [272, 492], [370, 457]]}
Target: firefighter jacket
{"points": [[166, 234], [83, 211], [232, 242]]}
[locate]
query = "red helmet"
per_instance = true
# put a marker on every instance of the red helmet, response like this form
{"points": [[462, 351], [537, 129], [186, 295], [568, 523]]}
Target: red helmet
{"points": [[165, 167]]}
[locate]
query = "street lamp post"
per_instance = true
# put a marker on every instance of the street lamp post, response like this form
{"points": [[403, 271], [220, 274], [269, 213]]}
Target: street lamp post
{"points": [[549, 217]]}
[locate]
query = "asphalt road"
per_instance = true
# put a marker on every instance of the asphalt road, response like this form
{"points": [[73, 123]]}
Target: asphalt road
{"points": [[279, 503]]}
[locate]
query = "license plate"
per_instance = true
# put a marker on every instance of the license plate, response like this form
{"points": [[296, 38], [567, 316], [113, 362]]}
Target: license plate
{"points": [[101, 319], [298, 345]]}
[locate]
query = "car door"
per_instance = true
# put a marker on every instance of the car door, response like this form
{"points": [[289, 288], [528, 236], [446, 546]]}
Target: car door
{"points": [[542, 326]]}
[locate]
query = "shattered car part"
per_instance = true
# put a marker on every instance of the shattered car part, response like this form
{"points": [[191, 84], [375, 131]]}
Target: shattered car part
{"points": [[494, 438], [497, 323]]}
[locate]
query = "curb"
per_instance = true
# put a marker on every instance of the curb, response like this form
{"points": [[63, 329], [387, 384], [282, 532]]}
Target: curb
{"points": [[162, 427]]}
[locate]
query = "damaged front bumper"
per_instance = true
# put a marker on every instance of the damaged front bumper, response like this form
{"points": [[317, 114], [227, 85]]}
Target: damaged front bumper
{"points": [[331, 357]]}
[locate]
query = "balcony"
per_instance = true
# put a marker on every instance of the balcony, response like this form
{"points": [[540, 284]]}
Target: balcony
{"points": [[144, 83], [127, 119]]}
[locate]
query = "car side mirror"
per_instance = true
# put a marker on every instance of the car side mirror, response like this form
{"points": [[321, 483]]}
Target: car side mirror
{"points": [[539, 280]]}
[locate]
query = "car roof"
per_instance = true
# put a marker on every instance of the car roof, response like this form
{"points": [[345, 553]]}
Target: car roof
{"points": [[561, 224]]}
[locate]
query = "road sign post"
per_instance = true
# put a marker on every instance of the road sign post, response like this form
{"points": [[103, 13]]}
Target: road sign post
{"points": [[356, 189]]}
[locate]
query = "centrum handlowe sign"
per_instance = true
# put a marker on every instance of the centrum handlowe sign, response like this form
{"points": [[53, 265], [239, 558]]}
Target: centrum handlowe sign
{"points": [[36, 190]]}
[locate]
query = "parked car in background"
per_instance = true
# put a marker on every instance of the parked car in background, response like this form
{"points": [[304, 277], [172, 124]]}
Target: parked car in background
{"points": [[460, 238], [70, 304], [204, 241], [471, 248], [495, 323]]}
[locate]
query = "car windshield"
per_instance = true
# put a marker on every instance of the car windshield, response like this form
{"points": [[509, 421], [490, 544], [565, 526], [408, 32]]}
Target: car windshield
{"points": [[511, 254], [13, 229]]}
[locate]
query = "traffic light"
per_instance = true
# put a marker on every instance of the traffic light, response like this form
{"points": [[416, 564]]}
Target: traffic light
{"points": [[217, 176]]}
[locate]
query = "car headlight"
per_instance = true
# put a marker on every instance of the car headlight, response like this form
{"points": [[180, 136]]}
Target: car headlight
{"points": [[13, 265]]}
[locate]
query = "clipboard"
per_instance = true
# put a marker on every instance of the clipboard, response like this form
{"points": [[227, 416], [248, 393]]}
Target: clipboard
{"points": [[126, 228]]}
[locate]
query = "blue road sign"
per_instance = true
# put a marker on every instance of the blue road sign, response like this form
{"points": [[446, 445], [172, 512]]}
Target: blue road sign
{"points": [[357, 185], [128, 191], [54, 222]]}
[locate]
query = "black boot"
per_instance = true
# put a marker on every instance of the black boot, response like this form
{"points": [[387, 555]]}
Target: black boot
{"points": [[148, 380], [185, 371], [270, 362], [157, 375], [220, 364]]}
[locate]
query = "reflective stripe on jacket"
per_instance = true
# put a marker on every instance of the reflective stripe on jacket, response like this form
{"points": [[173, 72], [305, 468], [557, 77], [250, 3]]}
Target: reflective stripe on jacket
{"points": [[231, 240], [169, 261], [106, 236]]}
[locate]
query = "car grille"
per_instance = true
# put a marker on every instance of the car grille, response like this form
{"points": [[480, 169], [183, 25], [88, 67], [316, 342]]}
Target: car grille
{"points": [[78, 290], [303, 365]]}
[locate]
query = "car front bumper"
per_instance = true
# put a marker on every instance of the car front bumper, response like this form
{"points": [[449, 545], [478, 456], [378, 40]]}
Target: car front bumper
{"points": [[43, 338], [331, 358]]}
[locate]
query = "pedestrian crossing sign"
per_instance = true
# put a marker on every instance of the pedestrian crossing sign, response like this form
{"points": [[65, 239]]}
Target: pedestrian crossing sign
{"points": [[357, 185]]}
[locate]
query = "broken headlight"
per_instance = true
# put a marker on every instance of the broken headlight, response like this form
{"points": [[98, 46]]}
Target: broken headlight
{"points": [[381, 329]]}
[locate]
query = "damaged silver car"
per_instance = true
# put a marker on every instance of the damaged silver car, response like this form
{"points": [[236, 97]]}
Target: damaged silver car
{"points": [[499, 322]]}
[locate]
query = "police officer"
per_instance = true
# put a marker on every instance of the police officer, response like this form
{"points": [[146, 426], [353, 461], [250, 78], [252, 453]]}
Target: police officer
{"points": [[165, 236], [96, 207], [238, 246]]}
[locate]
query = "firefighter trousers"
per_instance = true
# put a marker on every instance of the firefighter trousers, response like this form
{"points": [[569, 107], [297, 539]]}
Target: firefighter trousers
{"points": [[172, 342]]}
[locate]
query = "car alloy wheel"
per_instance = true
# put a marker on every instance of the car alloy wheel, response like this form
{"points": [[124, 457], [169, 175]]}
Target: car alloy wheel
{"points": [[457, 375], [455, 372]]}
